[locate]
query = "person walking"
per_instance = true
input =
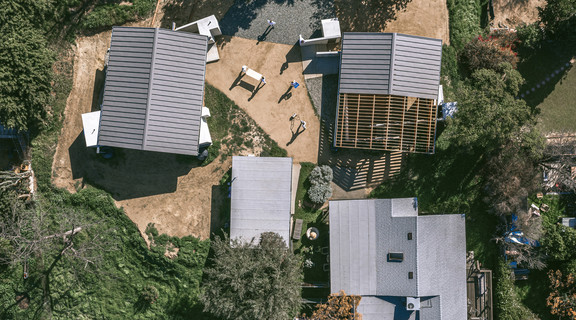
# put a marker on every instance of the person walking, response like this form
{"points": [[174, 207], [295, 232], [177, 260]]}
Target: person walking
{"points": [[303, 123], [271, 23]]}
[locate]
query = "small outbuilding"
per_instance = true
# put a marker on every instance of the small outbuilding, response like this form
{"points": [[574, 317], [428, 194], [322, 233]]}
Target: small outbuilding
{"points": [[261, 193]]}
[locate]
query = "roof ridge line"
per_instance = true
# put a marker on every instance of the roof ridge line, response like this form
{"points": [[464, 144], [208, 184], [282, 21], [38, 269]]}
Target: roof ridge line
{"points": [[392, 57], [152, 59]]}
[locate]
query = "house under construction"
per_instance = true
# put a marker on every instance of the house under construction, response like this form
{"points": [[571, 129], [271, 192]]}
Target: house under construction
{"points": [[387, 92]]}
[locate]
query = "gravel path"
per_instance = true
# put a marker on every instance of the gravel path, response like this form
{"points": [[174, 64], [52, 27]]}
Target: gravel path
{"points": [[247, 19]]}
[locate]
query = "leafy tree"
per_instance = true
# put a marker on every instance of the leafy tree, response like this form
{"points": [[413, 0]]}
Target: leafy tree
{"points": [[340, 306], [488, 113], [559, 242], [562, 298], [558, 15], [25, 76], [252, 281], [320, 190]]}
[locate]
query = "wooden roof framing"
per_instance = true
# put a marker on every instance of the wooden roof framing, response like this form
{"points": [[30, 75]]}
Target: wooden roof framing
{"points": [[386, 122]]}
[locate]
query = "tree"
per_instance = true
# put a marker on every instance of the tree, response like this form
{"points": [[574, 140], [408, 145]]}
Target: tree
{"points": [[320, 190], [252, 281], [340, 306], [558, 16], [488, 113], [25, 76], [559, 242], [562, 298], [488, 53]]}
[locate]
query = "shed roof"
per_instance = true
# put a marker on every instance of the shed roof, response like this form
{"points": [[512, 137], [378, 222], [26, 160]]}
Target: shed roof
{"points": [[154, 90], [390, 63], [260, 197], [363, 232]]}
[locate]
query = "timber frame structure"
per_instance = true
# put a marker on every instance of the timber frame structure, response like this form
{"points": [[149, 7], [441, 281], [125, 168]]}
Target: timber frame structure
{"points": [[387, 90], [386, 122]]}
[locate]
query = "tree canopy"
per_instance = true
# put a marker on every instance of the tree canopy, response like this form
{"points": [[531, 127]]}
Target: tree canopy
{"points": [[340, 306], [248, 281], [488, 114]]}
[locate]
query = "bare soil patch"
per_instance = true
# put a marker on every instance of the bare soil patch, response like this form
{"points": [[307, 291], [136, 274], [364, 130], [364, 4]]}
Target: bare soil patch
{"points": [[513, 13]]}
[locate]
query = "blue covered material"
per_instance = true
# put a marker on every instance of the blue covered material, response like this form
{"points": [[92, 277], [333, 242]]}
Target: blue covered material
{"points": [[513, 235], [6, 133]]}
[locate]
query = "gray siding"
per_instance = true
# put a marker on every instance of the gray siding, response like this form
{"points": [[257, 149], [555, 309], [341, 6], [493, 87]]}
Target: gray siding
{"points": [[390, 63], [260, 197], [126, 91], [154, 90], [442, 262], [363, 232], [416, 68], [366, 63]]}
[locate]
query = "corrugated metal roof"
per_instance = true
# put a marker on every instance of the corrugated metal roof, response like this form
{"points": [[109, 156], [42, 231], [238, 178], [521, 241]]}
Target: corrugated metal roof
{"points": [[154, 90], [363, 232], [390, 63], [260, 197]]}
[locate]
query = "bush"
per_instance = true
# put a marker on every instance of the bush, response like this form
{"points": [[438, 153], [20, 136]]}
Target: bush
{"points": [[529, 36], [464, 21], [508, 305], [487, 53], [109, 15], [320, 190], [150, 294]]}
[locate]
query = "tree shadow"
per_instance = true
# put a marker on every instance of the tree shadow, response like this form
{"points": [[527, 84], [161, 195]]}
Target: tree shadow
{"points": [[129, 173], [183, 12], [544, 68], [220, 210], [369, 15]]}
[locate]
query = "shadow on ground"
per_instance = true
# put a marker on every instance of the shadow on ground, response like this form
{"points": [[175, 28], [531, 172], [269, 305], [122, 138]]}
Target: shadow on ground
{"points": [[129, 173], [354, 169], [544, 68], [368, 15]]}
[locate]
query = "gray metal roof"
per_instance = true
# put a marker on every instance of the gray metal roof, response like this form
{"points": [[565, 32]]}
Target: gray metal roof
{"points": [[390, 63], [260, 197], [363, 232], [154, 90]]}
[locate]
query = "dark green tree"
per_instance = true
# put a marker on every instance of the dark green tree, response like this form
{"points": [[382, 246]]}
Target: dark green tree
{"points": [[559, 242], [25, 76], [252, 281], [488, 113], [558, 16]]}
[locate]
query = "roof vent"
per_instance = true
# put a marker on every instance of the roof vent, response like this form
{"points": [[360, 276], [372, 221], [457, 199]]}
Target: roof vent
{"points": [[412, 304]]}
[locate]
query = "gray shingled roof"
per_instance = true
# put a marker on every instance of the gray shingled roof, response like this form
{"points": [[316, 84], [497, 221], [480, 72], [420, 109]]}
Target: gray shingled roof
{"points": [[154, 90], [390, 63], [363, 232], [260, 197]]}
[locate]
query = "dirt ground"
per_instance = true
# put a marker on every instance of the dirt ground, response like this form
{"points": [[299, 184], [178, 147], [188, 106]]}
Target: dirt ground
{"points": [[279, 64], [512, 13], [172, 191], [168, 190], [426, 18]]}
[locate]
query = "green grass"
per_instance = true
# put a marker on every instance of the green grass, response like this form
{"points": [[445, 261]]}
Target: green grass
{"points": [[312, 217], [230, 125], [557, 109]]}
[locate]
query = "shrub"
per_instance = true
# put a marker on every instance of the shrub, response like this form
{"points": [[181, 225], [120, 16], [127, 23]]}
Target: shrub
{"points": [[508, 305], [320, 190], [488, 53], [529, 36], [109, 15], [150, 294], [464, 21]]}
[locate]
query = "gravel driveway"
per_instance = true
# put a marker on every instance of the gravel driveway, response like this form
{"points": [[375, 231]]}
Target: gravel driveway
{"points": [[247, 19]]}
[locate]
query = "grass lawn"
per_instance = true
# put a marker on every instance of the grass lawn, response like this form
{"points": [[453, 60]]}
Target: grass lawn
{"points": [[558, 109]]}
